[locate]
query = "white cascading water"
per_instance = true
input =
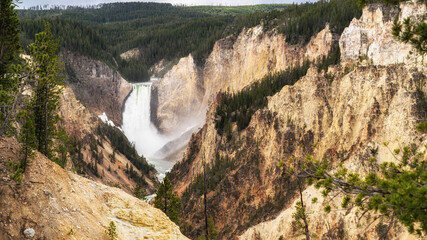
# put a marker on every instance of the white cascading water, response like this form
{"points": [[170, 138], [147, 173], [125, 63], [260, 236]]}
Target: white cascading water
{"points": [[139, 130]]}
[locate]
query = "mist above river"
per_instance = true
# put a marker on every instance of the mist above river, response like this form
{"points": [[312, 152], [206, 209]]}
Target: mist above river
{"points": [[148, 141]]}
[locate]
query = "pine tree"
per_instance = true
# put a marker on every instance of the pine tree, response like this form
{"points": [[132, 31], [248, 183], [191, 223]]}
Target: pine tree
{"points": [[9, 38], [27, 137], [48, 80], [300, 216], [111, 231], [397, 191], [9, 56], [213, 233], [62, 148], [139, 192], [412, 32], [167, 201]]}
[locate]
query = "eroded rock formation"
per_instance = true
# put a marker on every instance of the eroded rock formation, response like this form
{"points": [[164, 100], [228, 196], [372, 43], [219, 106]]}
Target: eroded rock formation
{"points": [[179, 96], [345, 119], [97, 86], [186, 91], [370, 38], [58, 204]]}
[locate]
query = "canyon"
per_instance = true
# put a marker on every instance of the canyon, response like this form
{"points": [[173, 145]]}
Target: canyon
{"points": [[188, 90], [341, 119], [84, 125], [371, 91], [344, 114]]}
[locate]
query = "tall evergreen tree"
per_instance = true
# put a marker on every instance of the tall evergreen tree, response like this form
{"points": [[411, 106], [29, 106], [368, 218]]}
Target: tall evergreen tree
{"points": [[9, 36], [9, 55], [48, 79], [167, 201]]}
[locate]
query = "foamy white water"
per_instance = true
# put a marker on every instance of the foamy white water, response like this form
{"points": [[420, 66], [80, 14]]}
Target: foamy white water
{"points": [[139, 130]]}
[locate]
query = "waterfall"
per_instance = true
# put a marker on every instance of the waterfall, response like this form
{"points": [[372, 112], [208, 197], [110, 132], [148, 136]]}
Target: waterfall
{"points": [[139, 130]]}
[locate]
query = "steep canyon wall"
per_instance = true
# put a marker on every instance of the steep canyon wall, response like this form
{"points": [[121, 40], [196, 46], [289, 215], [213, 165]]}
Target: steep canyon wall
{"points": [[369, 100], [187, 90], [97, 86]]}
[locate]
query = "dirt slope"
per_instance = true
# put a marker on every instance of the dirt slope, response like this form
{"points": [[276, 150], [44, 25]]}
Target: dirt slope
{"points": [[62, 205]]}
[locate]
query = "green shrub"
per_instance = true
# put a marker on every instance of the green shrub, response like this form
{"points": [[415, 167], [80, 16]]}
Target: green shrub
{"points": [[422, 126], [111, 231], [17, 171]]}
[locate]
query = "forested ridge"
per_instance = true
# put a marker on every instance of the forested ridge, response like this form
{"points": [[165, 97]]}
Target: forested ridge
{"points": [[159, 31], [164, 31]]}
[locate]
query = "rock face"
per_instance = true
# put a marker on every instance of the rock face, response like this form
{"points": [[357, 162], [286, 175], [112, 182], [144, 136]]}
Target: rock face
{"points": [[342, 224], [370, 36], [347, 117], [186, 91], [81, 125], [232, 66], [179, 96], [254, 55], [355, 114], [321, 44], [344, 120], [74, 208], [133, 53], [78, 121], [97, 86]]}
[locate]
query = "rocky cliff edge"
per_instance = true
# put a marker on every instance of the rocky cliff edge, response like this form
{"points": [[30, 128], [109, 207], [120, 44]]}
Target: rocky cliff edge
{"points": [[57, 204]]}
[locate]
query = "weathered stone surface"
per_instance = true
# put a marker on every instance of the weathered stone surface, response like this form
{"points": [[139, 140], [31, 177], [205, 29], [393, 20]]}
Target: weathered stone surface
{"points": [[254, 55], [341, 120], [78, 121], [133, 53], [179, 96], [186, 91], [29, 233], [97, 86], [370, 36], [340, 224], [82, 209], [320, 45]]}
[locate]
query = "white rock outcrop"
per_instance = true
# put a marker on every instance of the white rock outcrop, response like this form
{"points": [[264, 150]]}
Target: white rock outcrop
{"points": [[370, 36]]}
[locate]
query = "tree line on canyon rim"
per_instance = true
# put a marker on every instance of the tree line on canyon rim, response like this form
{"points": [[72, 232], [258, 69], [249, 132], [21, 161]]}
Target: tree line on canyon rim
{"points": [[166, 32], [374, 192]]}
